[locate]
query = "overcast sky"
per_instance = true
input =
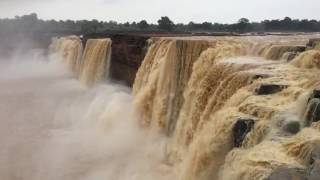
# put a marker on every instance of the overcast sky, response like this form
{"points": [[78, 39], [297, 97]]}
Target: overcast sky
{"points": [[223, 11]]}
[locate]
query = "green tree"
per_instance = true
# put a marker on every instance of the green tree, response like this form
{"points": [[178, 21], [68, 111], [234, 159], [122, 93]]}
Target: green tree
{"points": [[165, 24], [28, 22], [243, 21], [126, 24], [206, 25], [143, 24], [95, 24], [88, 27], [243, 25]]}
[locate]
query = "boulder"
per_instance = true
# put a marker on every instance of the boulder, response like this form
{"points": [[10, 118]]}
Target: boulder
{"points": [[266, 89], [241, 129], [292, 127]]}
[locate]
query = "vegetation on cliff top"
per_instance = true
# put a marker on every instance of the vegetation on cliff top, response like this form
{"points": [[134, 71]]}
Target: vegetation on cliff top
{"points": [[31, 23]]}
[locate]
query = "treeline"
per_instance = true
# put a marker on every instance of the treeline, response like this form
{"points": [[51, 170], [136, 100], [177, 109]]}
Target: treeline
{"points": [[32, 24]]}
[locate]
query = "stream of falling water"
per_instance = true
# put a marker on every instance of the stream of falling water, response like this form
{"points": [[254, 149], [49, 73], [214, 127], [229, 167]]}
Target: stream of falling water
{"points": [[53, 127]]}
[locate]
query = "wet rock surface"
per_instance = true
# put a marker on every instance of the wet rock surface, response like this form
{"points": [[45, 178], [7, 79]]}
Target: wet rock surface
{"points": [[315, 94], [312, 113], [127, 55], [241, 129], [314, 166], [266, 89], [292, 127]]}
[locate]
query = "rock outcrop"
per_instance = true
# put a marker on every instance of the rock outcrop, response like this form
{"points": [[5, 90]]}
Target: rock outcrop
{"points": [[266, 89], [127, 55]]}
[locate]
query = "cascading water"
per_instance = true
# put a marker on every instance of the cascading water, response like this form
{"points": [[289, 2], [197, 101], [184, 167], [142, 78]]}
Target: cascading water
{"points": [[229, 105], [91, 65], [96, 61], [161, 80], [202, 109], [69, 49]]}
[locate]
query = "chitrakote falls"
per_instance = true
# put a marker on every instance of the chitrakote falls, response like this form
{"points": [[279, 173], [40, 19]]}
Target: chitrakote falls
{"points": [[80, 102]]}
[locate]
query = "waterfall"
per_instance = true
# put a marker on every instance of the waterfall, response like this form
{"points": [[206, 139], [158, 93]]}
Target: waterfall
{"points": [[69, 49], [201, 108], [229, 115], [96, 61], [308, 59], [91, 65], [162, 78]]}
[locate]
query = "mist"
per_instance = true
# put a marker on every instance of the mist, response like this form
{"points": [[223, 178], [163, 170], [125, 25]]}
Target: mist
{"points": [[53, 127]]}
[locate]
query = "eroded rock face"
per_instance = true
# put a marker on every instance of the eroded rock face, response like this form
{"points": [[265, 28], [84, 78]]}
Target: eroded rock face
{"points": [[127, 55], [266, 89], [241, 129]]}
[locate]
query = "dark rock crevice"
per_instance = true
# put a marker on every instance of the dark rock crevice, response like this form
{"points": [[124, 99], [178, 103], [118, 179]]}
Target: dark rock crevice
{"points": [[240, 130], [312, 113]]}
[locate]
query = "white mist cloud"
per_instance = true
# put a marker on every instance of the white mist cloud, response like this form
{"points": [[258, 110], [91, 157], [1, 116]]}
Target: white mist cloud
{"points": [[52, 127]]}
